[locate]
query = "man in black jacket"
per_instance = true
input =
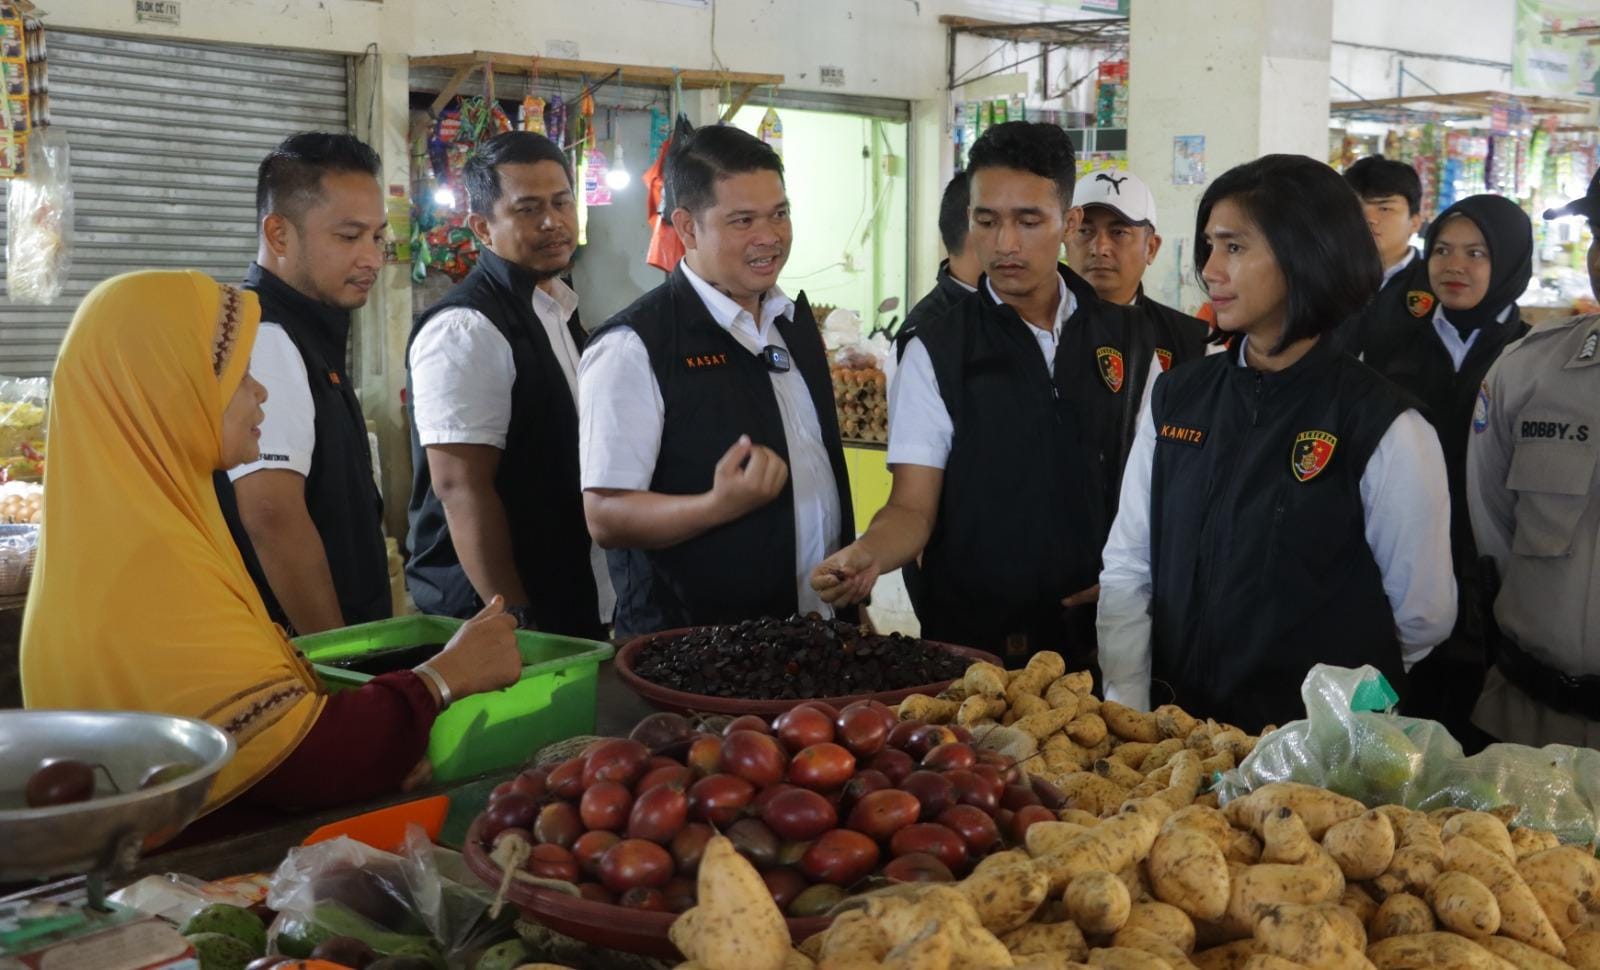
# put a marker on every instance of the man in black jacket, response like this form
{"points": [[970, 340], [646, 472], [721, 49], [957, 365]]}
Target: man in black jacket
{"points": [[1009, 417], [958, 274], [495, 504], [713, 471], [1391, 199], [1115, 242], [308, 517]]}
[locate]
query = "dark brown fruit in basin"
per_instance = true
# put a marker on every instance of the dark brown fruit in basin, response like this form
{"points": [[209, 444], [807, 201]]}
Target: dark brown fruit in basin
{"points": [[60, 783]]}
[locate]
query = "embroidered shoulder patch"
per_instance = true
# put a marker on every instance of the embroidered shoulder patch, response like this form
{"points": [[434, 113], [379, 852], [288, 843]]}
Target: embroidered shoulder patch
{"points": [[1312, 452], [1419, 302], [1165, 357], [1111, 370], [1480, 409]]}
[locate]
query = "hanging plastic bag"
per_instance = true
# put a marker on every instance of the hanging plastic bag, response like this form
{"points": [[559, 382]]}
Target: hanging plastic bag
{"points": [[39, 222], [1352, 743], [771, 131], [423, 903]]}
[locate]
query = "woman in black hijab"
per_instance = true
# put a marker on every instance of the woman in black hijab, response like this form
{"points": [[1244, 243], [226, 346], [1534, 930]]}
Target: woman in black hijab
{"points": [[1480, 259]]}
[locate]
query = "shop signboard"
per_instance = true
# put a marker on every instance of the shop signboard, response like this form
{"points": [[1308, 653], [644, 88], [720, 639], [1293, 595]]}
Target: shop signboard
{"points": [[1548, 63]]}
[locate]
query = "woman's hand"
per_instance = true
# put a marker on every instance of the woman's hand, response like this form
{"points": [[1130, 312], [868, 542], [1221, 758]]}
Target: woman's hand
{"points": [[483, 654]]}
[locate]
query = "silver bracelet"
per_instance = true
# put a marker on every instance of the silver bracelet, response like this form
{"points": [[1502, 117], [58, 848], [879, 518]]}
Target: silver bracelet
{"points": [[438, 682]]}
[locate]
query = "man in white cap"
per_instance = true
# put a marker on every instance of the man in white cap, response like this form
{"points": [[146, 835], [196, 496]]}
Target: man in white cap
{"points": [[1117, 241]]}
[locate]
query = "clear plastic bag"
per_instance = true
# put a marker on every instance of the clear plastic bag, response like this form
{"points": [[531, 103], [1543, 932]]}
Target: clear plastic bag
{"points": [[422, 903], [39, 222], [23, 404], [1352, 743]]}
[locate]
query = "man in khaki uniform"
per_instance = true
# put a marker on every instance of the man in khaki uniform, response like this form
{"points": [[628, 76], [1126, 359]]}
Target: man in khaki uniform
{"points": [[1533, 485]]}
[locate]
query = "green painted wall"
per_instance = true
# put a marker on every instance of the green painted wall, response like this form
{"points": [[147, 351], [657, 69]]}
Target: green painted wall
{"points": [[849, 211]]}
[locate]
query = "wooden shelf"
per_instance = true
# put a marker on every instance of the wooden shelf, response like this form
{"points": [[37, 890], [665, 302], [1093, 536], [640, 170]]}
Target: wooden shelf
{"points": [[465, 65]]}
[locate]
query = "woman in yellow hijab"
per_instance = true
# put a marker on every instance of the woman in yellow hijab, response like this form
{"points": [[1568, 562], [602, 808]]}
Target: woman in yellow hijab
{"points": [[140, 599]]}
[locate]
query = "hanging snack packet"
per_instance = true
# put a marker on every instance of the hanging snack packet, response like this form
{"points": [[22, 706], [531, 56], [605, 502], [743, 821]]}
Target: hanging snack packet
{"points": [[771, 131]]}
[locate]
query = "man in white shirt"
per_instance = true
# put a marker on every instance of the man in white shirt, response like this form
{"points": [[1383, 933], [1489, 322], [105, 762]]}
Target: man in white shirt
{"points": [[495, 504], [997, 416], [712, 465], [307, 516]]}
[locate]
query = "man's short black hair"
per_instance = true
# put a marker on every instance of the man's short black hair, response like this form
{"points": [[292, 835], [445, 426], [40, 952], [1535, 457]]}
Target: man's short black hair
{"points": [[711, 153], [482, 171], [1318, 235], [1028, 146], [953, 214], [289, 180], [1376, 177]]}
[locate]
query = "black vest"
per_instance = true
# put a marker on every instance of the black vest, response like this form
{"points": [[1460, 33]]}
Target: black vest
{"points": [[714, 391], [1383, 323], [1407, 350], [1022, 511], [341, 497], [537, 480], [1259, 560], [947, 292]]}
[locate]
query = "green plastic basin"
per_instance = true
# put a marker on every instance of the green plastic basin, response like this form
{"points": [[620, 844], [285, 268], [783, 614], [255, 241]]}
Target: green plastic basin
{"points": [[553, 699]]}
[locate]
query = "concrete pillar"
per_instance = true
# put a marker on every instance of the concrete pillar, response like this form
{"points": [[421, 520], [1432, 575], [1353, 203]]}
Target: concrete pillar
{"points": [[382, 326], [1251, 76]]}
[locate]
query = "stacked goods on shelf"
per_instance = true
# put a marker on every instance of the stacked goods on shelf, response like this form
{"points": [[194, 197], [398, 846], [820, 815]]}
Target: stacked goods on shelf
{"points": [[861, 397]]}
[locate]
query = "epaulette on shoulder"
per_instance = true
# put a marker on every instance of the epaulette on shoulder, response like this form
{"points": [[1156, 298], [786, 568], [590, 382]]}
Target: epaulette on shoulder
{"points": [[1541, 333]]}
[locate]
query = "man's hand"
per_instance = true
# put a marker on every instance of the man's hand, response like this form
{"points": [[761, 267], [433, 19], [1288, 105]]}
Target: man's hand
{"points": [[1083, 597], [847, 576], [747, 477]]}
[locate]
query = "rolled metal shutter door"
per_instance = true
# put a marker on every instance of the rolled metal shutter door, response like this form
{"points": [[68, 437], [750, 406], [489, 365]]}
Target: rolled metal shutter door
{"points": [[165, 137]]}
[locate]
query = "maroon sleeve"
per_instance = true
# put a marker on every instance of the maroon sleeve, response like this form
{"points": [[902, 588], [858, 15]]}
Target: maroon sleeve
{"points": [[363, 745]]}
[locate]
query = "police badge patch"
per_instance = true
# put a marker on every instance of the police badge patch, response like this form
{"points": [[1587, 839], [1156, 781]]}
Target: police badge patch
{"points": [[1419, 302], [1312, 452], [1480, 410], [1111, 371], [1165, 357]]}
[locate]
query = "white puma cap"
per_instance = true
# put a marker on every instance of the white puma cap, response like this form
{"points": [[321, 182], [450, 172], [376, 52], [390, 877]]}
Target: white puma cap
{"points": [[1121, 191]]}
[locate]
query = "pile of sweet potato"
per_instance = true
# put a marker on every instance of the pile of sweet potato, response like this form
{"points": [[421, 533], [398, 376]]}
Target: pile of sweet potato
{"points": [[1144, 871]]}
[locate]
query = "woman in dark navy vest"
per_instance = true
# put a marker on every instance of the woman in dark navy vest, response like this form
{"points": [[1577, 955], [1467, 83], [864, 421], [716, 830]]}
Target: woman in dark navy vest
{"points": [[1283, 506]]}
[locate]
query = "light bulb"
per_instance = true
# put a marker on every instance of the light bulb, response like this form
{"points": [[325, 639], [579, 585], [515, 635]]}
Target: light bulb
{"points": [[617, 177], [443, 196]]}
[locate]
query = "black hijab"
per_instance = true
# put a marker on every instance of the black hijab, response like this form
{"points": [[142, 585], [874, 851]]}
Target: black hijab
{"points": [[1509, 233]]}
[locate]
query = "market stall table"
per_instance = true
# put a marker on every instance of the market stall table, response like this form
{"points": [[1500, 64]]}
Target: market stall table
{"points": [[617, 710]]}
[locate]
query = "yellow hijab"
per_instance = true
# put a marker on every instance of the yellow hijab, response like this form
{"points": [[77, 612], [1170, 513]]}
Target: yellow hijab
{"points": [[140, 599]]}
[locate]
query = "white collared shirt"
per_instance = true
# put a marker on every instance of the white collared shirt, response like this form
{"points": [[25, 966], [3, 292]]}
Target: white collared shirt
{"points": [[1450, 337], [462, 372], [1392, 271], [622, 414], [920, 429], [1406, 499]]}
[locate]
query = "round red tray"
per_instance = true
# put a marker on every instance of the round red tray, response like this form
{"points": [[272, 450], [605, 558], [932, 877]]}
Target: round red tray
{"points": [[599, 924], [677, 700]]}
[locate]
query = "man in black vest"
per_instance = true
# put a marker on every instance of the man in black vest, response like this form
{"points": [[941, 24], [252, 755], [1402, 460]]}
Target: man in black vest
{"points": [[712, 465], [958, 274], [1391, 199], [1112, 246], [1007, 424], [495, 505], [308, 516]]}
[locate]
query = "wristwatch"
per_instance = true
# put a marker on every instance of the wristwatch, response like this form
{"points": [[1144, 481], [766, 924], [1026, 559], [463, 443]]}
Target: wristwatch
{"points": [[523, 615]]}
